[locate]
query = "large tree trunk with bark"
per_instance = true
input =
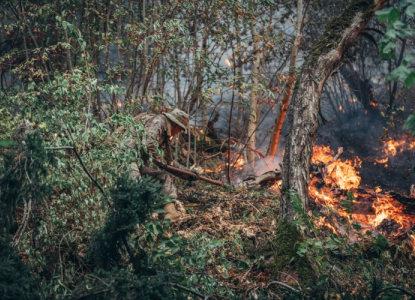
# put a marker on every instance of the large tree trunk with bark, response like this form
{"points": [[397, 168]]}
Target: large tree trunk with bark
{"points": [[325, 57]]}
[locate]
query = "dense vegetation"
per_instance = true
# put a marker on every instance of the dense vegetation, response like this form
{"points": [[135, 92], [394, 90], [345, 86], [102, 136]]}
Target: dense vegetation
{"points": [[74, 225]]}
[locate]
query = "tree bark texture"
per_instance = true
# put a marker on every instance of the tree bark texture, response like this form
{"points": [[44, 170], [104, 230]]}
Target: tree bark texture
{"points": [[325, 57], [283, 108]]}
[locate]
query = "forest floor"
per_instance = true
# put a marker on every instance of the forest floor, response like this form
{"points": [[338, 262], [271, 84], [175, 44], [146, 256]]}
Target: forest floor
{"points": [[244, 220], [246, 223]]}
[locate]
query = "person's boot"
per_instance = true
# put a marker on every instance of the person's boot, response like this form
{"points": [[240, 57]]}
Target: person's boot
{"points": [[173, 214]]}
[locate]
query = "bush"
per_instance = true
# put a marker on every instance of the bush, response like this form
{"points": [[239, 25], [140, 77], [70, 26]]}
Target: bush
{"points": [[15, 280]]}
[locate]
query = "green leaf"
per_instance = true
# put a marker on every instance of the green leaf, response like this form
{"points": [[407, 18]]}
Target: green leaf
{"points": [[410, 79], [410, 11], [159, 229], [357, 226], [323, 277], [242, 265], [390, 14], [399, 74], [406, 2], [410, 124], [387, 49], [407, 59], [6, 143], [351, 196]]}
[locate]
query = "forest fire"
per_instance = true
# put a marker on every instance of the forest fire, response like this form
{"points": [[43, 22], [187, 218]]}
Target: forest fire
{"points": [[391, 148], [372, 210], [240, 162]]}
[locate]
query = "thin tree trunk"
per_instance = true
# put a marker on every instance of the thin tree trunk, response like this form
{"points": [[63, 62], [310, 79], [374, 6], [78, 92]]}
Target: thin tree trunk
{"points": [[254, 100], [325, 57], [283, 108]]}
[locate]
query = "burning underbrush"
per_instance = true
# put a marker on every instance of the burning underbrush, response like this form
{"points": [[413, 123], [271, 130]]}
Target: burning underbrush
{"points": [[356, 217], [246, 221], [335, 187]]}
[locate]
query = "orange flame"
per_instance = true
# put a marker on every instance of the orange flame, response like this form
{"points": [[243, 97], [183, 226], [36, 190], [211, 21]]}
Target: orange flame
{"points": [[391, 148], [276, 187], [240, 163], [343, 175]]}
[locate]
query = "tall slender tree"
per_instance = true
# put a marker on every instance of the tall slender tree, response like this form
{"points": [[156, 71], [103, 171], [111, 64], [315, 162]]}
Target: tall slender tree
{"points": [[283, 108]]}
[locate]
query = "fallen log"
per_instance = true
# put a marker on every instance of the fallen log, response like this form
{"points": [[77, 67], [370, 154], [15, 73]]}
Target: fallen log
{"points": [[187, 174], [268, 178], [408, 202]]}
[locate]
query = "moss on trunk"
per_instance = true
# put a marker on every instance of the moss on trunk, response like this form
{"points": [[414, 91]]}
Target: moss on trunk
{"points": [[286, 259], [335, 29]]}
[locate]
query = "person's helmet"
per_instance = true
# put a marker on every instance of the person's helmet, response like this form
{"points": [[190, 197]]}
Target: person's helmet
{"points": [[178, 117]]}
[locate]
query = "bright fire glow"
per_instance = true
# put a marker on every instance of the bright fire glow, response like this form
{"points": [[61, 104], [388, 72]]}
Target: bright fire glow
{"points": [[343, 175], [391, 148], [239, 163], [228, 62], [276, 187]]}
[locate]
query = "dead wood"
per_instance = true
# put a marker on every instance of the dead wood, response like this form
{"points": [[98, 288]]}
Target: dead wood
{"points": [[267, 178], [407, 202]]}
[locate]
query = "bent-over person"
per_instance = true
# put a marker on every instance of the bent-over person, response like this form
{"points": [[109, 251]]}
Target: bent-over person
{"points": [[161, 129]]}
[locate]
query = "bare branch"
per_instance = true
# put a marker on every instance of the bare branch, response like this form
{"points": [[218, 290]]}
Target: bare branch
{"points": [[284, 285]]}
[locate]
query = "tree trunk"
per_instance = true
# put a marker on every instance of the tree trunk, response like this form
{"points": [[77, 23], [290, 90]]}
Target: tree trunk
{"points": [[282, 111], [254, 100], [325, 57]]}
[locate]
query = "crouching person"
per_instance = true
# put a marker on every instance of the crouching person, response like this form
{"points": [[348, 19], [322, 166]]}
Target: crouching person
{"points": [[159, 130]]}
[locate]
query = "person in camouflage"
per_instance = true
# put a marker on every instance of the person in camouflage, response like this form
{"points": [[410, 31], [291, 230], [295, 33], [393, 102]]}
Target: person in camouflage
{"points": [[159, 130]]}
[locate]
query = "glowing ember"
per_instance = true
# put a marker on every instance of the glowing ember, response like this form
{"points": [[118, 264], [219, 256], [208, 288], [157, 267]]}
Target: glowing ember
{"points": [[276, 187], [340, 107], [240, 163]]}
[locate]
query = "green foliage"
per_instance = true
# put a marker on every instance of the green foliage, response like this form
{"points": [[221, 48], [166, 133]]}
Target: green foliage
{"points": [[22, 177], [16, 281], [6, 143], [397, 28], [132, 203], [410, 124], [121, 283]]}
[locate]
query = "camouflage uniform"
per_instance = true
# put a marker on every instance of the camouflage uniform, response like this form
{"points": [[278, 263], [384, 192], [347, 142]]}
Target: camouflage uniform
{"points": [[157, 128]]}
